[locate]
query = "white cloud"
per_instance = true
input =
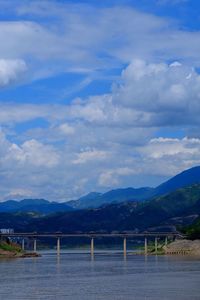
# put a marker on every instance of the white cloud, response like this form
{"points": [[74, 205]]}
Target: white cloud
{"points": [[70, 39], [66, 129], [166, 93], [160, 148], [31, 153], [107, 179], [11, 71], [110, 178], [17, 193], [90, 155], [169, 156]]}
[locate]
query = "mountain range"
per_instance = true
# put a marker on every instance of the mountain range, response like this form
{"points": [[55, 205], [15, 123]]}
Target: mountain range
{"points": [[95, 200], [165, 213], [176, 209], [174, 204]]}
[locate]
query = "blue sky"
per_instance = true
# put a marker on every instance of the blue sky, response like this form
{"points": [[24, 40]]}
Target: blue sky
{"points": [[96, 95]]}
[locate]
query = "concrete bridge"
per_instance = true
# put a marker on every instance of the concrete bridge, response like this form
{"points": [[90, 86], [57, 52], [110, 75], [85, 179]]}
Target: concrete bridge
{"points": [[92, 235]]}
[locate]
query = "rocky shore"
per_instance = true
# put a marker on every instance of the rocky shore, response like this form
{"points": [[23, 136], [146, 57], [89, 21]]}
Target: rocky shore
{"points": [[9, 254], [183, 247]]}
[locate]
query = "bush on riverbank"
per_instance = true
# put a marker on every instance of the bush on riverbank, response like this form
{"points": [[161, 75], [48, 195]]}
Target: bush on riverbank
{"points": [[10, 247], [193, 231]]}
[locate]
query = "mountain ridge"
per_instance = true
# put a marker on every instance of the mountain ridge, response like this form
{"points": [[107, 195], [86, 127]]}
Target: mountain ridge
{"points": [[187, 177], [95, 199], [169, 212]]}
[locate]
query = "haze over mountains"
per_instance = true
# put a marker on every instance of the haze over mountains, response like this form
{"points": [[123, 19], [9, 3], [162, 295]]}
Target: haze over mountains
{"points": [[94, 200]]}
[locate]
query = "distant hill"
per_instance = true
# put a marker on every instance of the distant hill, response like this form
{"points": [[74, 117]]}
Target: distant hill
{"points": [[165, 213], [93, 200], [85, 201], [40, 206]]}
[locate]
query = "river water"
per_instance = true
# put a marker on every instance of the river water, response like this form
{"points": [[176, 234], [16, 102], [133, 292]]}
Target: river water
{"points": [[108, 276]]}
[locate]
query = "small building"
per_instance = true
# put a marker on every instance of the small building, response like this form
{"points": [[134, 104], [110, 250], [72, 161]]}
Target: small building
{"points": [[6, 230]]}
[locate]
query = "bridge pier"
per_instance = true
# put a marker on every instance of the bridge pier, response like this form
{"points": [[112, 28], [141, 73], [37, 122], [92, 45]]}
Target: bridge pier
{"points": [[145, 246], [58, 246], [166, 241], [92, 247], [156, 245], [35, 245], [125, 252], [23, 244]]}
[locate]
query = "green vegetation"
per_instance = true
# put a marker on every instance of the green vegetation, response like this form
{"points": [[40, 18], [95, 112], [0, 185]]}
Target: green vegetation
{"points": [[193, 231], [11, 247]]}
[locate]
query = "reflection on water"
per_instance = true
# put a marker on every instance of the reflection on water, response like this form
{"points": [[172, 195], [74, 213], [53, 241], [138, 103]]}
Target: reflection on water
{"points": [[105, 276]]}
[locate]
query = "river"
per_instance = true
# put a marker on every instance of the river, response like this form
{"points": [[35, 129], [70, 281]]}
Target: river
{"points": [[108, 276]]}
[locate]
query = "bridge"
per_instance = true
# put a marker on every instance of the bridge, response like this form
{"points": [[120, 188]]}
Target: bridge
{"points": [[92, 236]]}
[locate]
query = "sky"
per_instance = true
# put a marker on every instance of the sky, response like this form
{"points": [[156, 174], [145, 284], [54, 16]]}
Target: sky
{"points": [[97, 95]]}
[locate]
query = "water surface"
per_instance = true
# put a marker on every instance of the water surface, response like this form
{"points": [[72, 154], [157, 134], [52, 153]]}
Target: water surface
{"points": [[106, 277]]}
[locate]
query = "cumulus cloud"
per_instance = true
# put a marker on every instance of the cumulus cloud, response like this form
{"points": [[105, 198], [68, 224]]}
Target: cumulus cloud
{"points": [[31, 153], [34, 153], [167, 93], [11, 70]]}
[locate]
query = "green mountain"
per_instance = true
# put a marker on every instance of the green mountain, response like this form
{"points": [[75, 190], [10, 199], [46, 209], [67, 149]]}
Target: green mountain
{"points": [[193, 230], [165, 213], [94, 200]]}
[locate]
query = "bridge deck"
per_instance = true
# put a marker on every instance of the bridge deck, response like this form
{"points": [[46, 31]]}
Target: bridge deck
{"points": [[91, 235]]}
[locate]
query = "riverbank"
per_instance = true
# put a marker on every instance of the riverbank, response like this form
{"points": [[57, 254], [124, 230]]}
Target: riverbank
{"points": [[11, 250], [178, 247], [183, 247]]}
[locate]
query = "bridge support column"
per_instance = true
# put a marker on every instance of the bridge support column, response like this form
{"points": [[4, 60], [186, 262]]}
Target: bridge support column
{"points": [[166, 241], [58, 246], [156, 245], [125, 252], [92, 247], [145, 246], [23, 244], [35, 245]]}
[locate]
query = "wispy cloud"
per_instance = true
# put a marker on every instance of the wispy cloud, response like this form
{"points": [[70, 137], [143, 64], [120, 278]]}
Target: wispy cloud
{"points": [[65, 37]]}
